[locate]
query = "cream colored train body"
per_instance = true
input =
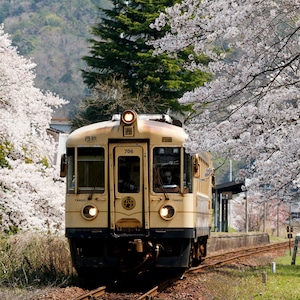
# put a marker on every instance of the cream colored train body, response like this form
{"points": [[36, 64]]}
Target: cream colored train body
{"points": [[134, 198]]}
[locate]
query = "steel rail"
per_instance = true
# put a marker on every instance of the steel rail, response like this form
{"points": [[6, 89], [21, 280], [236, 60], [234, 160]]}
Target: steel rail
{"points": [[159, 288], [148, 295], [92, 295]]}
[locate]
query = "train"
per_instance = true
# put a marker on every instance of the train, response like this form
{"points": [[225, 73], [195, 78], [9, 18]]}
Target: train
{"points": [[135, 199]]}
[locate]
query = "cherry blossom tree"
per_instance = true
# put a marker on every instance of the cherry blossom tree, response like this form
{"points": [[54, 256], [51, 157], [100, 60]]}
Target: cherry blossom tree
{"points": [[251, 108], [270, 213], [31, 195]]}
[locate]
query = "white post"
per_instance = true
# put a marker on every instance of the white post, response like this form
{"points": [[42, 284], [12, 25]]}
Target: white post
{"points": [[273, 267]]}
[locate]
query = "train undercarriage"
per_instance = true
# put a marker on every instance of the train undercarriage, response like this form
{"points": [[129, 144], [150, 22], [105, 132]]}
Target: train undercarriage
{"points": [[116, 257]]}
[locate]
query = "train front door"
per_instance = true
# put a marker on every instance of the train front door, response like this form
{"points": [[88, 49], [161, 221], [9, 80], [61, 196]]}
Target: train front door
{"points": [[128, 183]]}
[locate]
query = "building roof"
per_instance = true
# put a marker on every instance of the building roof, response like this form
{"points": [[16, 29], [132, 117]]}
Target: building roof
{"points": [[230, 186]]}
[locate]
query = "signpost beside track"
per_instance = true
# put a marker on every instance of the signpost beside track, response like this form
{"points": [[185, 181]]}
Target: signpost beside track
{"points": [[297, 238]]}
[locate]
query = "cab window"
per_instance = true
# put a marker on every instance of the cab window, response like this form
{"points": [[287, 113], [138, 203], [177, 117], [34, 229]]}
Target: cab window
{"points": [[166, 169], [90, 172]]}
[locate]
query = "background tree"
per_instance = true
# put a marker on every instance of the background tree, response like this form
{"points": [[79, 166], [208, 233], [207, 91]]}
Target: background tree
{"points": [[270, 213], [109, 97], [251, 110], [31, 195], [227, 169], [120, 49]]}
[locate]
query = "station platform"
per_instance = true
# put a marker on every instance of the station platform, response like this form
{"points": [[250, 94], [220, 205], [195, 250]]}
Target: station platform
{"points": [[220, 241]]}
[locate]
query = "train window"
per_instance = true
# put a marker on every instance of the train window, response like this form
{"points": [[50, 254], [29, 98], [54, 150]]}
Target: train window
{"points": [[70, 170], [188, 173], [166, 169], [128, 174], [90, 170]]}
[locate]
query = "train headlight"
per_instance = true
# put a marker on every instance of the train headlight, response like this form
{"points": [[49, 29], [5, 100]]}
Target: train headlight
{"points": [[89, 212], [167, 212], [128, 117]]}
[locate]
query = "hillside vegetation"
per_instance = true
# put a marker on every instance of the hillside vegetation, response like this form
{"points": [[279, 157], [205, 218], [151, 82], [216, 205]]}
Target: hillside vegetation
{"points": [[54, 34]]}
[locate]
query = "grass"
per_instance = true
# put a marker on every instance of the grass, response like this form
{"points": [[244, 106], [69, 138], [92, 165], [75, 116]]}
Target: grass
{"points": [[34, 259], [247, 283]]}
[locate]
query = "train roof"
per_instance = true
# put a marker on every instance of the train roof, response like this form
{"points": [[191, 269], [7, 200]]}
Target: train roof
{"points": [[148, 125]]}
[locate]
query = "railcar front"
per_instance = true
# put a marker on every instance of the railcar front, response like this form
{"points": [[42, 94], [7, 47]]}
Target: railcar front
{"points": [[134, 198]]}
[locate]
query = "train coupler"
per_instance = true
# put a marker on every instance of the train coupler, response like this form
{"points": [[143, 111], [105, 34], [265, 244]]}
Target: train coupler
{"points": [[138, 245]]}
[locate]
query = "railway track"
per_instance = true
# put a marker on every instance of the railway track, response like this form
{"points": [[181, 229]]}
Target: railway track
{"points": [[211, 261], [101, 291], [221, 259], [94, 294]]}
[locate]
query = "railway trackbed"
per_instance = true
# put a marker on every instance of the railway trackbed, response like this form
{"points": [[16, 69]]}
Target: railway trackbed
{"points": [[102, 291], [211, 261]]}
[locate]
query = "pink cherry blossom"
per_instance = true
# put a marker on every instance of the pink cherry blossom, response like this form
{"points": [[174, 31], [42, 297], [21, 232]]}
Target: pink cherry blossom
{"points": [[31, 194]]}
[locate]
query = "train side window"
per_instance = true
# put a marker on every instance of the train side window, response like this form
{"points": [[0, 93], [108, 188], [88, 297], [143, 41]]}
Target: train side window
{"points": [[128, 174], [188, 173], [70, 171], [90, 170], [166, 169]]}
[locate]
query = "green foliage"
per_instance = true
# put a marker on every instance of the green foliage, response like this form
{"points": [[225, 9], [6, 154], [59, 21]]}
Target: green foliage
{"points": [[53, 20], [119, 48], [222, 169], [5, 150], [45, 162], [12, 230]]}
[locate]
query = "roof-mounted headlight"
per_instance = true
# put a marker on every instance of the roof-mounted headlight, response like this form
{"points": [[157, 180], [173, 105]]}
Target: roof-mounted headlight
{"points": [[89, 212], [167, 212], [128, 117]]}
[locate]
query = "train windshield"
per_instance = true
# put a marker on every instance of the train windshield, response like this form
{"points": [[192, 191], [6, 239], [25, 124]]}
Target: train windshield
{"points": [[166, 169], [167, 175], [90, 170]]}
